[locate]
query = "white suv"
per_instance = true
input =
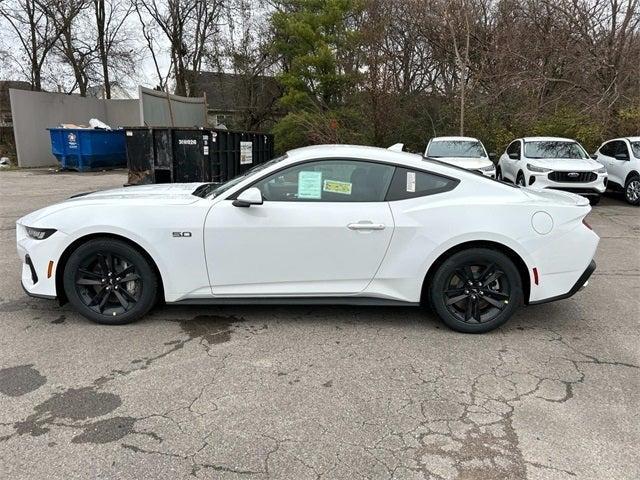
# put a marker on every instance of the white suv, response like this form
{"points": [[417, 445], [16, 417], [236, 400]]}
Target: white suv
{"points": [[464, 152], [554, 163], [621, 157]]}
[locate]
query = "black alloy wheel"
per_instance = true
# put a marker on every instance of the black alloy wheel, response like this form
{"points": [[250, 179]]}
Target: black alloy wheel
{"points": [[110, 282], [476, 290]]}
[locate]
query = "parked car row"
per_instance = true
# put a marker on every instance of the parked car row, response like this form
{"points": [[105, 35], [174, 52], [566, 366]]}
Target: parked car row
{"points": [[550, 163]]}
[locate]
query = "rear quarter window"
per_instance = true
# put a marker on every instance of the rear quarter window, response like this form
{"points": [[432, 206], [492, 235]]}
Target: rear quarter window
{"points": [[407, 183]]}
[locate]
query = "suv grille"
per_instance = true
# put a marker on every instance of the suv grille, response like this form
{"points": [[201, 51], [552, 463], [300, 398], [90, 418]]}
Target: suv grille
{"points": [[573, 177]]}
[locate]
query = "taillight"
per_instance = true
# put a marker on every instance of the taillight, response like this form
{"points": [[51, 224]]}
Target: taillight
{"points": [[584, 222]]}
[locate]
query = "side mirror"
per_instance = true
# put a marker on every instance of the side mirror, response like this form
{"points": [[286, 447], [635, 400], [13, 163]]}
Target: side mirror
{"points": [[594, 156], [251, 196], [622, 156], [514, 156], [493, 156]]}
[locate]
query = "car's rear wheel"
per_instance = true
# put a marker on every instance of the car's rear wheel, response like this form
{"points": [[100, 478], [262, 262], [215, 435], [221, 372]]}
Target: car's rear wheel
{"points": [[110, 282], [632, 190], [476, 290]]}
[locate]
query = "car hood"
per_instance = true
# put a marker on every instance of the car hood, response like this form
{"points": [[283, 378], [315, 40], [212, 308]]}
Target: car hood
{"points": [[555, 197], [166, 192], [160, 194], [466, 162], [566, 164]]}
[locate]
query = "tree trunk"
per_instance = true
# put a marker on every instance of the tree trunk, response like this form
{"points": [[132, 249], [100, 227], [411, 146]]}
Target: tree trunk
{"points": [[102, 50]]}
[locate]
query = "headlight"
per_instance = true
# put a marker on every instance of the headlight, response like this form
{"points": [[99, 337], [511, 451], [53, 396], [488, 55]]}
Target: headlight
{"points": [[487, 169], [39, 233], [601, 170], [533, 168]]}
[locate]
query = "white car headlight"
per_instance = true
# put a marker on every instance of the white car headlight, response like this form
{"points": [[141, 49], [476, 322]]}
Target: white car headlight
{"points": [[602, 169], [533, 168], [39, 233], [488, 168]]}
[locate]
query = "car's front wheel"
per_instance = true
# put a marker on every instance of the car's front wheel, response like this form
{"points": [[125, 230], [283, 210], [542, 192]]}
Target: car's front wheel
{"points": [[110, 282], [499, 174], [520, 180], [632, 190], [476, 290]]}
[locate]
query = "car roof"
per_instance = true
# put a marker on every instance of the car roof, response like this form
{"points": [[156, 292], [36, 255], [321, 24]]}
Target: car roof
{"points": [[357, 151], [372, 153], [632, 139], [548, 139], [453, 139]]}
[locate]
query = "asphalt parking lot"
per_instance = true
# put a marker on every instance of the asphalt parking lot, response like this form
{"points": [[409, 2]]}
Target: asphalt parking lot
{"points": [[319, 392]]}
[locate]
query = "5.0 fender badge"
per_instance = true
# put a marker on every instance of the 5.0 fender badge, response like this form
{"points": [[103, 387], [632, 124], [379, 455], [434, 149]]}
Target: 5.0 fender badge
{"points": [[181, 234]]}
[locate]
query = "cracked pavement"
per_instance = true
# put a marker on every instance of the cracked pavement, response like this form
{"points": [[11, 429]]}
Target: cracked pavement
{"points": [[319, 392]]}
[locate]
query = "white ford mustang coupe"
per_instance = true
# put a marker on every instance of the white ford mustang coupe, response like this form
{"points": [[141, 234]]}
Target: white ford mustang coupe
{"points": [[332, 224]]}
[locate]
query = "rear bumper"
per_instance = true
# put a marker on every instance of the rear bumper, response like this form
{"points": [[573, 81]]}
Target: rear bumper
{"points": [[582, 281]]}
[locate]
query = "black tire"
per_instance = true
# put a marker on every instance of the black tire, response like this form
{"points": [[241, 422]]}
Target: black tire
{"points": [[498, 173], [632, 190], [520, 180], [479, 308], [594, 200], [110, 282]]}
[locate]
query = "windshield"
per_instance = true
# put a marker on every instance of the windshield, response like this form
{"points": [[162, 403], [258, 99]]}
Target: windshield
{"points": [[456, 148], [551, 149], [635, 146], [212, 190]]}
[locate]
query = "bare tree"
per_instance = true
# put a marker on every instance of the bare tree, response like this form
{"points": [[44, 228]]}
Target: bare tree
{"points": [[36, 33], [111, 16], [76, 46], [189, 26]]}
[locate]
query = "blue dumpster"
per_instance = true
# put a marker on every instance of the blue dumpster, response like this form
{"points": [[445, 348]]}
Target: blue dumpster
{"points": [[88, 149]]}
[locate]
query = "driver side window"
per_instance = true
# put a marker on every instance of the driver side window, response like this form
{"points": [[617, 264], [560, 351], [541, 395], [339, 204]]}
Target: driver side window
{"points": [[622, 149], [514, 148], [608, 149], [328, 181]]}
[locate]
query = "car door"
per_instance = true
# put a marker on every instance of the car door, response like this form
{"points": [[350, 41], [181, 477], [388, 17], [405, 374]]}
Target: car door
{"points": [[619, 163], [605, 155], [511, 164], [323, 229]]}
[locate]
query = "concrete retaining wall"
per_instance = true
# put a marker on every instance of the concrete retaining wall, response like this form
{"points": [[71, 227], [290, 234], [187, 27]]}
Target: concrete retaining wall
{"points": [[34, 112]]}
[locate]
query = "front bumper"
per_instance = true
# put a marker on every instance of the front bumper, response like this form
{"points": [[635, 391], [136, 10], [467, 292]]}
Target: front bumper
{"points": [[540, 181], [579, 285], [486, 173], [37, 279]]}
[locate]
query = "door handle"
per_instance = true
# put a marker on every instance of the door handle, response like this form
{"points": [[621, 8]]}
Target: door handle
{"points": [[366, 226]]}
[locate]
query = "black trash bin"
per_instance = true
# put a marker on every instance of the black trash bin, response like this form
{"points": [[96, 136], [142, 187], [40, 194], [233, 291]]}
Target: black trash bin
{"points": [[235, 152], [166, 155]]}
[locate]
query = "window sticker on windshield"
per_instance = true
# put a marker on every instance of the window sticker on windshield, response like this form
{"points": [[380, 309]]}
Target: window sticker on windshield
{"points": [[310, 185], [335, 186], [411, 181]]}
